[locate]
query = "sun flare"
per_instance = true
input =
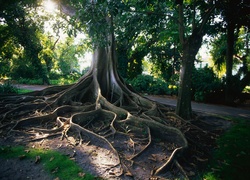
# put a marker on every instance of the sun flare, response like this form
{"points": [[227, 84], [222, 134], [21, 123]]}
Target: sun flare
{"points": [[49, 5]]}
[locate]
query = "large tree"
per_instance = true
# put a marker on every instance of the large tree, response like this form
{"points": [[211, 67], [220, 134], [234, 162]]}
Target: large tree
{"points": [[100, 106]]}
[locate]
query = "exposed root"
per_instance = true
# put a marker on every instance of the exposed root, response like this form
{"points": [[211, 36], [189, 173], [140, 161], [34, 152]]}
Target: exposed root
{"points": [[143, 149], [167, 166], [122, 122]]}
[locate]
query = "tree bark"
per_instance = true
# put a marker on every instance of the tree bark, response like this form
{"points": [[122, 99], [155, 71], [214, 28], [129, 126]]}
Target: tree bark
{"points": [[229, 63], [191, 47]]}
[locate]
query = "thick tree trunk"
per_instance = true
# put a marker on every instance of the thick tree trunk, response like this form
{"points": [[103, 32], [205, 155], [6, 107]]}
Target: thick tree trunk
{"points": [[184, 108]]}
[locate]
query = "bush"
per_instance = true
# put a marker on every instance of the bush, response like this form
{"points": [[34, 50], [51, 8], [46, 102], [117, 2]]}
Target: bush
{"points": [[55, 79], [66, 79], [205, 84], [8, 88], [150, 85], [30, 81]]}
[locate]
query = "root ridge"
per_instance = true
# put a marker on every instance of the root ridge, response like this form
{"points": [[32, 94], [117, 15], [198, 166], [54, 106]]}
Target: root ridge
{"points": [[136, 131]]}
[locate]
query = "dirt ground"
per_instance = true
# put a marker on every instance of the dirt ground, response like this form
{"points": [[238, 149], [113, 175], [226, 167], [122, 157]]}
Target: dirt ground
{"points": [[96, 160], [13, 169]]}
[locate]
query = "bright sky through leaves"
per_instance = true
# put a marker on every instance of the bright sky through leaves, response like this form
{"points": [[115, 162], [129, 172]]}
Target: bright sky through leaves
{"points": [[49, 5]]}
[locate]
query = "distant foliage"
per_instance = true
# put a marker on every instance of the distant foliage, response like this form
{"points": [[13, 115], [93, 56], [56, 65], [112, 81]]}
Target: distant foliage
{"points": [[30, 81], [150, 85], [8, 88], [205, 85]]}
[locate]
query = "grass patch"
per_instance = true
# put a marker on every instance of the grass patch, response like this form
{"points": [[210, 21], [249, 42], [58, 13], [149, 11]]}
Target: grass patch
{"points": [[23, 91], [232, 158], [55, 163]]}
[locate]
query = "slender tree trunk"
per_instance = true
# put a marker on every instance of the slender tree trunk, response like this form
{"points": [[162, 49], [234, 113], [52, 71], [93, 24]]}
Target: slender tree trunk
{"points": [[190, 49], [229, 63], [190, 46]]}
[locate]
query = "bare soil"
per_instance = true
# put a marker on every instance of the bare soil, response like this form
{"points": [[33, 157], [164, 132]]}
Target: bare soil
{"points": [[16, 169]]}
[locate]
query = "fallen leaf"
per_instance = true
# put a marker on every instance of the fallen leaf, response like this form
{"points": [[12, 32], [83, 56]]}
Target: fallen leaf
{"points": [[27, 150], [153, 157], [55, 170], [73, 154], [81, 174], [38, 158], [21, 157], [129, 174], [51, 159]]}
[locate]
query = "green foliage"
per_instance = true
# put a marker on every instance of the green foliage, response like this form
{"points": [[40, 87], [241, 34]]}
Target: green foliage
{"points": [[56, 79], [218, 52], [63, 80], [232, 158], [247, 89], [53, 161], [150, 85], [205, 84], [8, 88], [30, 81]]}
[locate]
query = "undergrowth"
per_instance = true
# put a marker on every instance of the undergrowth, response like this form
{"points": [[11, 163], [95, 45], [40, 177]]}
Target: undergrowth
{"points": [[232, 158], [56, 164], [8, 88]]}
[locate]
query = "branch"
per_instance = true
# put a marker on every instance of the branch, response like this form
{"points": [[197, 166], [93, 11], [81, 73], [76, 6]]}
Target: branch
{"points": [[181, 24], [66, 9], [206, 18], [54, 45]]}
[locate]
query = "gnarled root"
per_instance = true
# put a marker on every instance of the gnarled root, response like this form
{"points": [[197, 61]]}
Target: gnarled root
{"points": [[128, 125]]}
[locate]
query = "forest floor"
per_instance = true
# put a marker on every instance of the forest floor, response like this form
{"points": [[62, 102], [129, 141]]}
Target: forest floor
{"points": [[89, 156]]}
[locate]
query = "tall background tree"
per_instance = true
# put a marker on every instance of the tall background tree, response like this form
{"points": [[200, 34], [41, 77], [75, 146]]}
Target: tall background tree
{"points": [[236, 16], [195, 17]]}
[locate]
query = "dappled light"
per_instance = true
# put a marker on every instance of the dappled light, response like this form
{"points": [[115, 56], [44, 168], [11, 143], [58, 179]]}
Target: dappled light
{"points": [[101, 118], [130, 136], [50, 6]]}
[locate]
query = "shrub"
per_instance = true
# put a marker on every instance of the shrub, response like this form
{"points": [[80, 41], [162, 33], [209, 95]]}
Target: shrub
{"points": [[8, 88], [148, 84], [30, 81], [205, 84]]}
